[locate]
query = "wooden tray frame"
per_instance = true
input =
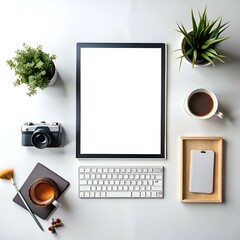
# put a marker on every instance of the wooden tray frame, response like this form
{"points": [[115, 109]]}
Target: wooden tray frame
{"points": [[200, 143]]}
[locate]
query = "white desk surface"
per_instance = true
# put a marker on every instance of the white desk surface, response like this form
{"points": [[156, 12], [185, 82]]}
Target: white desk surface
{"points": [[58, 25]]}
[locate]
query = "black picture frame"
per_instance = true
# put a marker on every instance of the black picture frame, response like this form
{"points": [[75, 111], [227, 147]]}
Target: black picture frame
{"points": [[160, 51]]}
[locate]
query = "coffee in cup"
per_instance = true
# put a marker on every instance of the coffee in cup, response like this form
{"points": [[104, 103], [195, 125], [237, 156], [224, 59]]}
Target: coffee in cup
{"points": [[202, 104], [43, 192]]}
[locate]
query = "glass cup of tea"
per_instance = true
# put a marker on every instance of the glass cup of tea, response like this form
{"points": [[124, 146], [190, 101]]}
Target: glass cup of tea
{"points": [[202, 104], [43, 192]]}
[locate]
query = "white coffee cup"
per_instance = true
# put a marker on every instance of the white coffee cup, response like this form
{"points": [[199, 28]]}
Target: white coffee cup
{"points": [[202, 104]]}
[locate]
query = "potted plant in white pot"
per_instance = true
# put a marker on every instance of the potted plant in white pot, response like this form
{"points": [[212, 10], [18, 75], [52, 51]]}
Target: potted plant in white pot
{"points": [[199, 44], [34, 68]]}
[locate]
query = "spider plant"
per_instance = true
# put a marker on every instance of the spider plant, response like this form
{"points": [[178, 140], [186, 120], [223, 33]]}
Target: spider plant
{"points": [[200, 43]]}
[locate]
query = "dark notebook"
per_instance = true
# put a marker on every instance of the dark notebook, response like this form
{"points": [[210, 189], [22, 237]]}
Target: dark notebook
{"points": [[40, 171]]}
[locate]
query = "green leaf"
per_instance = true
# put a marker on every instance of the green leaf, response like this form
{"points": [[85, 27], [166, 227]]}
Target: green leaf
{"points": [[188, 53], [204, 55], [194, 25], [213, 51], [214, 56], [195, 54], [212, 41]]}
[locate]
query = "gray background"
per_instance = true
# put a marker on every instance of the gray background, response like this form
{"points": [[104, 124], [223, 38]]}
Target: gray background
{"points": [[58, 25]]}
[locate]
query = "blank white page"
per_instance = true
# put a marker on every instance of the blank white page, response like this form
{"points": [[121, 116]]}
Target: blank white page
{"points": [[120, 101]]}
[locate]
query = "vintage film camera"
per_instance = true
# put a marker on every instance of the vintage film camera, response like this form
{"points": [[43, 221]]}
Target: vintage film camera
{"points": [[42, 135]]}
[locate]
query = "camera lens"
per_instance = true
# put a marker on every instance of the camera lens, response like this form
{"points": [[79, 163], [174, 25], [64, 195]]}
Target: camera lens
{"points": [[41, 138]]}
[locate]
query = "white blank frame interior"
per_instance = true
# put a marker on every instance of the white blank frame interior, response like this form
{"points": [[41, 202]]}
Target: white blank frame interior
{"points": [[121, 94]]}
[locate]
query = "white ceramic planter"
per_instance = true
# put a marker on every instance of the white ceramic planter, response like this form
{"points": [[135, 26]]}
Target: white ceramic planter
{"points": [[54, 78]]}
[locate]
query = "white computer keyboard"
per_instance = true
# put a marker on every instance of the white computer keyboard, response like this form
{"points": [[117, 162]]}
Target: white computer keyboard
{"points": [[121, 182]]}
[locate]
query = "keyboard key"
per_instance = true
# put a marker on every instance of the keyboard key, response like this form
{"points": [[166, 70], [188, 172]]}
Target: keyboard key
{"points": [[81, 194], [159, 194], [156, 188], [137, 188], [103, 194], [119, 194], [131, 188], [143, 194], [81, 176], [154, 194], [85, 188], [83, 182], [136, 194], [158, 176], [157, 183], [97, 194], [139, 183]]}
